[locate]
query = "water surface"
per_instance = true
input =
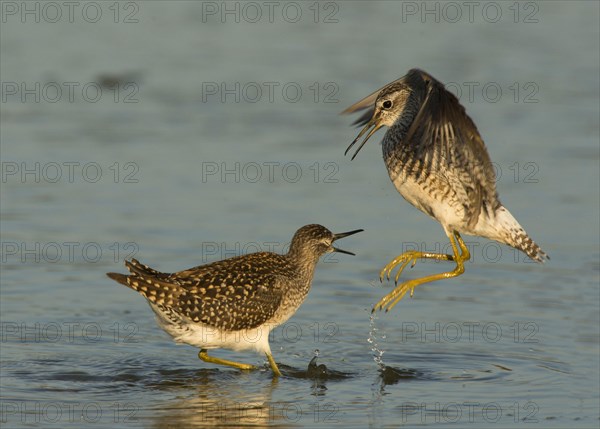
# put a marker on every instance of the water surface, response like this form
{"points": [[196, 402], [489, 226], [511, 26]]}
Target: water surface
{"points": [[184, 176]]}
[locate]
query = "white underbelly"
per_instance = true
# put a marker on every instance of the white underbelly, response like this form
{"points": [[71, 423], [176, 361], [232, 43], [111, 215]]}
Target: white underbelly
{"points": [[450, 216], [208, 337]]}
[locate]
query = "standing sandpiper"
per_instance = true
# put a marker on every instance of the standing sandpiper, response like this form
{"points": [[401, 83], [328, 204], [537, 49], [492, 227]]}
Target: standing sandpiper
{"points": [[438, 162], [236, 302]]}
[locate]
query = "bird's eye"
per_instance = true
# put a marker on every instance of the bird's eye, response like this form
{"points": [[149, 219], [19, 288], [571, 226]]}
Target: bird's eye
{"points": [[387, 104]]}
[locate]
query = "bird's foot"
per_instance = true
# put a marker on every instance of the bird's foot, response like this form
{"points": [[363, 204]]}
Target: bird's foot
{"points": [[403, 260], [391, 299], [406, 258], [203, 355], [273, 364]]}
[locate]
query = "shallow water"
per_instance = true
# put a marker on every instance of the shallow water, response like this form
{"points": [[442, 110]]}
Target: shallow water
{"points": [[181, 177]]}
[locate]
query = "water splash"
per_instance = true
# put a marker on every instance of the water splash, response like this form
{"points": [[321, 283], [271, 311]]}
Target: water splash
{"points": [[373, 340], [316, 371]]}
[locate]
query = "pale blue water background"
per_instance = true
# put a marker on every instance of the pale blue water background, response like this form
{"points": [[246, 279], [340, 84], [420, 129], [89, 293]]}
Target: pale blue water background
{"points": [[505, 345]]}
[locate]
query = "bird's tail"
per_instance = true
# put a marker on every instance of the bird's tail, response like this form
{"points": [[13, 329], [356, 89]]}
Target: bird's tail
{"points": [[119, 278], [153, 285], [513, 234], [136, 267], [136, 270]]}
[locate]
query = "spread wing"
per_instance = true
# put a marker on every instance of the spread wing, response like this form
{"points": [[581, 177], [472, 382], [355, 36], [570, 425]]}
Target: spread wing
{"points": [[442, 144], [446, 143]]}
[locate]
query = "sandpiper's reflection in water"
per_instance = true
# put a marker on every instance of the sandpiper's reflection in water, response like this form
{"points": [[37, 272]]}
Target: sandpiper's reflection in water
{"points": [[223, 398]]}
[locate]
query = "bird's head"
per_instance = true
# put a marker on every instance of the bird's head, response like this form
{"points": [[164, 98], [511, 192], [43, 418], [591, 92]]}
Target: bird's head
{"points": [[318, 240], [387, 105]]}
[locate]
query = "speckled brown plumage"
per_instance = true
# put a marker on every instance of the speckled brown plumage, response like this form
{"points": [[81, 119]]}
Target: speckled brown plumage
{"points": [[240, 294], [438, 162]]}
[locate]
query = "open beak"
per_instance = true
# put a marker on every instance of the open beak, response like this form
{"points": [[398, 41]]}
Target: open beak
{"points": [[372, 123], [342, 235]]}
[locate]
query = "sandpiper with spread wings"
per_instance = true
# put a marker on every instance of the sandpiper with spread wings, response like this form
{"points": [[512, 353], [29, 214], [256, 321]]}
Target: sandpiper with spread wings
{"points": [[236, 302], [438, 162]]}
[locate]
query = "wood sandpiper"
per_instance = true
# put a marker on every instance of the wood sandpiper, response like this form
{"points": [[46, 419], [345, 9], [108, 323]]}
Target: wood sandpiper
{"points": [[439, 163], [236, 302]]}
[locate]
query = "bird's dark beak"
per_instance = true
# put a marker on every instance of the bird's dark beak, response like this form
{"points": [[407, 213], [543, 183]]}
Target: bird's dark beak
{"points": [[342, 235], [372, 123]]}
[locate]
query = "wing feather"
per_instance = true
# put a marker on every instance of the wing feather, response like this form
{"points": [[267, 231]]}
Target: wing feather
{"points": [[238, 293], [451, 148]]}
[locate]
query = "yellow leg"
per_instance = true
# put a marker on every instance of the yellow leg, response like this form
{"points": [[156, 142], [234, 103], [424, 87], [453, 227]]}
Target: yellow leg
{"points": [[406, 258], [276, 371], [203, 354], [391, 299]]}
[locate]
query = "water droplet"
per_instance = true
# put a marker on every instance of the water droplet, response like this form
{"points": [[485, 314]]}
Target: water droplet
{"points": [[372, 339]]}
